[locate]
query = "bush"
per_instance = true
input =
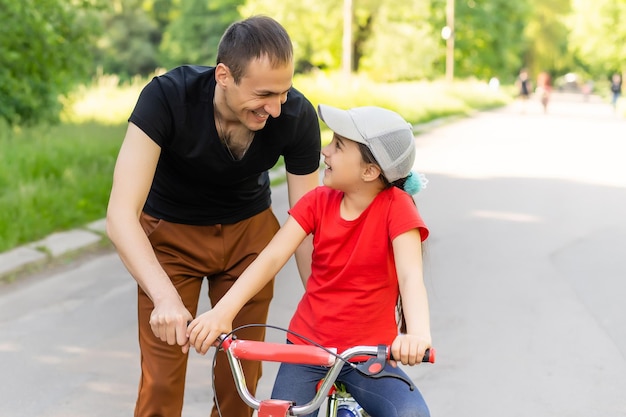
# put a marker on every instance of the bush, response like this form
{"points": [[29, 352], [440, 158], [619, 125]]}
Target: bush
{"points": [[43, 52]]}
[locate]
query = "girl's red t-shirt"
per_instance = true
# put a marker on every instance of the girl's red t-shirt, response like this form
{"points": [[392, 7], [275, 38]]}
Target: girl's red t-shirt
{"points": [[351, 295]]}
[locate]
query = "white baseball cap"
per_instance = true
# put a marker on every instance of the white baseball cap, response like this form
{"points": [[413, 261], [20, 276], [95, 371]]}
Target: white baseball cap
{"points": [[387, 135]]}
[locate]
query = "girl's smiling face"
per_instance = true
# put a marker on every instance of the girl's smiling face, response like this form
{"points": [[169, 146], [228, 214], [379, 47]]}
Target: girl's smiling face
{"points": [[344, 163]]}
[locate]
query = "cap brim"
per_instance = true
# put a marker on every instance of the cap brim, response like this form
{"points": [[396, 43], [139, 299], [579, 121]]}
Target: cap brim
{"points": [[340, 122]]}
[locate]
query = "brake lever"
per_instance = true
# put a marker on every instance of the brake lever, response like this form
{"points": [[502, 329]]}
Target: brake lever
{"points": [[375, 367]]}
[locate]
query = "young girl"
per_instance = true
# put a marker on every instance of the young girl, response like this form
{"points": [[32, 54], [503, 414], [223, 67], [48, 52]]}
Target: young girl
{"points": [[367, 236]]}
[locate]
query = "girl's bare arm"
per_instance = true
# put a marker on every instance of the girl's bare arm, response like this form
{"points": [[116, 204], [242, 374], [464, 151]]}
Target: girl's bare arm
{"points": [[206, 328], [410, 347]]}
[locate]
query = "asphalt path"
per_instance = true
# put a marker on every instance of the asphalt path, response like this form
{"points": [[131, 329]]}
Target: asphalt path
{"points": [[525, 267]]}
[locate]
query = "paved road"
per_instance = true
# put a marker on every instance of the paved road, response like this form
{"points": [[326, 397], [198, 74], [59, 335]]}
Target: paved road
{"points": [[525, 268]]}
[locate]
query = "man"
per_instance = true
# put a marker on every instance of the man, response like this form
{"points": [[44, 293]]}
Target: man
{"points": [[191, 198]]}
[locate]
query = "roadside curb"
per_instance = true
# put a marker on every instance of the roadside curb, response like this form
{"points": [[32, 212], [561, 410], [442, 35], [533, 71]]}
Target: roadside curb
{"points": [[54, 246]]}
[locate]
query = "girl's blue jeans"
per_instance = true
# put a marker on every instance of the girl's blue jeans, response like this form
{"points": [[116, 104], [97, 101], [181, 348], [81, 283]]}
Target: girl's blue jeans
{"points": [[380, 397]]}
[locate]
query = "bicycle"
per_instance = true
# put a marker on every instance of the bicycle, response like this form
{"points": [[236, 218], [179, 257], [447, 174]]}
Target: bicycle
{"points": [[340, 402]]}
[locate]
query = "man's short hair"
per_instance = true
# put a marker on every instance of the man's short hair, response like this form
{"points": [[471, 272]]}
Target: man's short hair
{"points": [[251, 39]]}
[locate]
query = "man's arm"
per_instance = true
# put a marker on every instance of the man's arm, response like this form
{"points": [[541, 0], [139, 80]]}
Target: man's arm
{"points": [[297, 186], [132, 178]]}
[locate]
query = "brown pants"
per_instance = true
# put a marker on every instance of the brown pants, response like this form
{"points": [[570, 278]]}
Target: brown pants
{"points": [[189, 253]]}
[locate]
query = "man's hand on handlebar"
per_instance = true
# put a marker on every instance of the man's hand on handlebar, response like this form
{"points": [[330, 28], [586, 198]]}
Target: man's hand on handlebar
{"points": [[409, 349], [168, 322]]}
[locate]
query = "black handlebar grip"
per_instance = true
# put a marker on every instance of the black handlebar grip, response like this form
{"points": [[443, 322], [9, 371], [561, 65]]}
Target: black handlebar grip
{"points": [[429, 356]]}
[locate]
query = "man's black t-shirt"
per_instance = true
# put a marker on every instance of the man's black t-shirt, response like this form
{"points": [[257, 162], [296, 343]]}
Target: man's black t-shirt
{"points": [[197, 181]]}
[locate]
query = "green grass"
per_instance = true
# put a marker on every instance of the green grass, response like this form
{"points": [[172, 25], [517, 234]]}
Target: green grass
{"points": [[55, 178]]}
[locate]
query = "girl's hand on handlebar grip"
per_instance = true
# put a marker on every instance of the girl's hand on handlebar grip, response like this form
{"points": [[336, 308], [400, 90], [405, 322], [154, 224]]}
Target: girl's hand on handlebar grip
{"points": [[204, 331], [409, 349]]}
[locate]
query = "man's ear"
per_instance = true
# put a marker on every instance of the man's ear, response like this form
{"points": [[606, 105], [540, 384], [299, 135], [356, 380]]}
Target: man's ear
{"points": [[371, 173], [222, 74]]}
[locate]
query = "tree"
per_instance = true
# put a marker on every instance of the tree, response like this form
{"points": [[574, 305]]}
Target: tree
{"points": [[44, 52], [162, 12], [489, 37], [192, 37], [129, 43], [399, 43], [598, 35], [315, 28], [547, 35], [391, 39]]}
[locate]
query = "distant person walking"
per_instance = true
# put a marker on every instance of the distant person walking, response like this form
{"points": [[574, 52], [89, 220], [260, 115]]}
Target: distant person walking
{"points": [[524, 87], [544, 89], [616, 89]]}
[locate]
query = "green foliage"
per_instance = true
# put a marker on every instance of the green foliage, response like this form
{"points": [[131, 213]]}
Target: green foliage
{"points": [[192, 37], [162, 12], [392, 52], [488, 37], [128, 45], [48, 46], [385, 35], [315, 28], [391, 39], [547, 35], [44, 48], [598, 35]]}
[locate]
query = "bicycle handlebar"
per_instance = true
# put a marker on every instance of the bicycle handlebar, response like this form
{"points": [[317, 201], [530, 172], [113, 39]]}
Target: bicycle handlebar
{"points": [[279, 352], [237, 349]]}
